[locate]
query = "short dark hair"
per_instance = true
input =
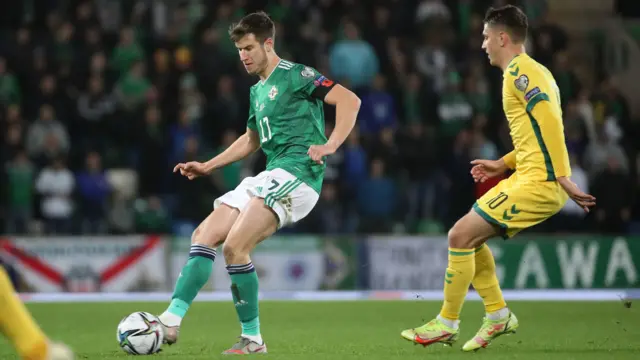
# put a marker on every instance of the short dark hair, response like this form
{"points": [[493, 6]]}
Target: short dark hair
{"points": [[512, 18], [258, 24]]}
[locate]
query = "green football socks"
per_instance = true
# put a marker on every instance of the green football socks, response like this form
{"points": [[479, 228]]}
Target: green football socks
{"points": [[244, 290], [192, 278]]}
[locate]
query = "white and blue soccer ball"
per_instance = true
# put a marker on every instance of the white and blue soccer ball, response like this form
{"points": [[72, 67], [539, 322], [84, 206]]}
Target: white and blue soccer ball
{"points": [[140, 334]]}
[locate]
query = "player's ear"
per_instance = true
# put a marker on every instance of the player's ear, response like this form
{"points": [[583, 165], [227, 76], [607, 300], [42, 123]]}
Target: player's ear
{"points": [[503, 38], [268, 44]]}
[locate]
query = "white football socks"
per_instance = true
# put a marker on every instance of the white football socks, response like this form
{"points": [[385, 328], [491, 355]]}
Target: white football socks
{"points": [[169, 319], [498, 315], [255, 338], [450, 323]]}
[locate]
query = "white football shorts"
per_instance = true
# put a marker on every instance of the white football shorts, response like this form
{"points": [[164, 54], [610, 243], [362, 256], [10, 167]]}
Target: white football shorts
{"points": [[290, 198]]}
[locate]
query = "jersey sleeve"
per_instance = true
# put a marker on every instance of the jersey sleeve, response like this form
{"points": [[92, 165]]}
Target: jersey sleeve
{"points": [[536, 93], [510, 160], [551, 132], [251, 120], [311, 83]]}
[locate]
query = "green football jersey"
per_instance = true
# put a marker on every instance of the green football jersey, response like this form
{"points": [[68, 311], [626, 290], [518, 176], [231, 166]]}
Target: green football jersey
{"points": [[287, 113]]}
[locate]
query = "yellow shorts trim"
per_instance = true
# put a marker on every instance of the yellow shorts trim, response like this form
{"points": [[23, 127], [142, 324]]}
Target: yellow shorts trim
{"points": [[514, 205], [489, 219]]}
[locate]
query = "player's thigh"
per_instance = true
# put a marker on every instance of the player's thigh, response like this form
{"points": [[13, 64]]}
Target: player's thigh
{"points": [[255, 223], [213, 230], [279, 200], [292, 201], [516, 206], [471, 231]]}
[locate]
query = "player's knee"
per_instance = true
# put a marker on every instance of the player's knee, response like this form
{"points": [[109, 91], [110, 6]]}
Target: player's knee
{"points": [[211, 238], [459, 237], [233, 251]]}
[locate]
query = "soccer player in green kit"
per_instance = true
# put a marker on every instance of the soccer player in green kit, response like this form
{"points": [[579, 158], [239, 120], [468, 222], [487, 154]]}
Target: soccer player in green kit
{"points": [[286, 120]]}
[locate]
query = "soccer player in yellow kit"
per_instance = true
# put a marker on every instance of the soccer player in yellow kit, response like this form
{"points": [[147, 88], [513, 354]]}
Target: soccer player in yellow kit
{"points": [[19, 327], [538, 189]]}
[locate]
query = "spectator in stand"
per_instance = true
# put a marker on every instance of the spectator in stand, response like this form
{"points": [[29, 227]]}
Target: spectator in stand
{"points": [[94, 191], [378, 109], [353, 60], [328, 220], [127, 53], [151, 216], [19, 175], [153, 151], [377, 200], [614, 206], [47, 138], [9, 86], [599, 153], [94, 108], [454, 109], [56, 185], [134, 88], [420, 162]]}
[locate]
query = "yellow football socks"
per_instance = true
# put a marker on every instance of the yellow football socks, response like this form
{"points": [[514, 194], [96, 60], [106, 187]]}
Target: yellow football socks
{"points": [[17, 324], [486, 282], [458, 277]]}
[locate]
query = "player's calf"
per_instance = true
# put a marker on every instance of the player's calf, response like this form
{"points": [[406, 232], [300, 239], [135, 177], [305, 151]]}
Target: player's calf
{"points": [[256, 222]]}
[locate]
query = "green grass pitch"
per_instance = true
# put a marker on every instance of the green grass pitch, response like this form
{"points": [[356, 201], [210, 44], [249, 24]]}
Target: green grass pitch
{"points": [[355, 330]]}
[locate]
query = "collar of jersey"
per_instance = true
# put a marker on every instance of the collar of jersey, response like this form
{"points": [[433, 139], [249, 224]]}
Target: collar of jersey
{"points": [[510, 62], [272, 71]]}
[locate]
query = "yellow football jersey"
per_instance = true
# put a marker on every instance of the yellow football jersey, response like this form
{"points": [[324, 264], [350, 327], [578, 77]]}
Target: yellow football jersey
{"points": [[531, 103]]}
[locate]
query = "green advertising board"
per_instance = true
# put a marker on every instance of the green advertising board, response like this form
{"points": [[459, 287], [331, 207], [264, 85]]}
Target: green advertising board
{"points": [[568, 262]]}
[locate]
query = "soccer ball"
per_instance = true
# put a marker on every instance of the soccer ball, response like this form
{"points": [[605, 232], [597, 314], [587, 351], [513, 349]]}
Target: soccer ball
{"points": [[140, 334]]}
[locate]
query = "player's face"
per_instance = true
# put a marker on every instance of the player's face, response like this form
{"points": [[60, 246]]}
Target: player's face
{"points": [[252, 54], [492, 43]]}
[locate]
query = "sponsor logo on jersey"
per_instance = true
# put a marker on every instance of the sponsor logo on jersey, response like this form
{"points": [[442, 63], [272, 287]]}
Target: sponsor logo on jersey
{"points": [[522, 82], [322, 81], [307, 72], [273, 92], [531, 93]]}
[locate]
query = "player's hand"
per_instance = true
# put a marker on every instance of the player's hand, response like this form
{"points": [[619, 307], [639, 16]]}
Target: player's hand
{"points": [[581, 198], [483, 170], [192, 169], [318, 152]]}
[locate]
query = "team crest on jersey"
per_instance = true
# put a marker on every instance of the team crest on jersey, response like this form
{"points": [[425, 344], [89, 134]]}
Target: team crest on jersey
{"points": [[273, 92], [307, 72], [522, 82]]}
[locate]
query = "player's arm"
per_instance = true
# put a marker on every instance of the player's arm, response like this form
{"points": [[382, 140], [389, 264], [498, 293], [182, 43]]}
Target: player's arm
{"points": [[347, 106], [240, 149], [316, 86], [244, 146], [552, 131], [547, 122], [509, 160]]}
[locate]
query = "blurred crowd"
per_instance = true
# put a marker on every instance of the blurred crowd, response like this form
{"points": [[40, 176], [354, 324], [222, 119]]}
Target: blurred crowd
{"points": [[100, 98]]}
